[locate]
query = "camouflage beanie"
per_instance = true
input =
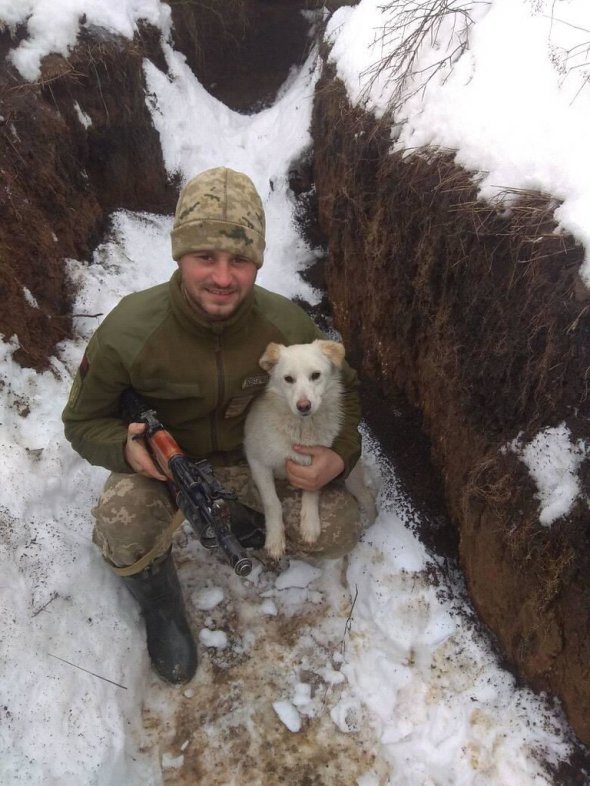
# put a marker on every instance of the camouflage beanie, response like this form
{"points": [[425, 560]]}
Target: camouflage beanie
{"points": [[219, 209]]}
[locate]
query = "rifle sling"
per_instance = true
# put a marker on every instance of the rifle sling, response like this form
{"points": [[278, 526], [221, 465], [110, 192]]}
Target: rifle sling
{"points": [[162, 545]]}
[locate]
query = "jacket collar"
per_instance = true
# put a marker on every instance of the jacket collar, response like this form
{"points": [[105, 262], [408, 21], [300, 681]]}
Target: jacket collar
{"points": [[188, 315]]}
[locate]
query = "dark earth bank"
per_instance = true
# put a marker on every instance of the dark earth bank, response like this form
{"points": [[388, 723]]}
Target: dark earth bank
{"points": [[479, 318], [465, 327]]}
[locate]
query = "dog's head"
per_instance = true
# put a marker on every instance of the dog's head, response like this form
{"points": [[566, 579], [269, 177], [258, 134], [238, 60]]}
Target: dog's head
{"points": [[302, 373]]}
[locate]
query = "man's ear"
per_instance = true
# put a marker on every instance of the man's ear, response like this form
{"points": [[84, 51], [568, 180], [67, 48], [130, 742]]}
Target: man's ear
{"points": [[333, 350], [271, 356]]}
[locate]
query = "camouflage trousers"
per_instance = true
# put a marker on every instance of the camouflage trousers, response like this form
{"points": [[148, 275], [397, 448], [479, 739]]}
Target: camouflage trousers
{"points": [[136, 516]]}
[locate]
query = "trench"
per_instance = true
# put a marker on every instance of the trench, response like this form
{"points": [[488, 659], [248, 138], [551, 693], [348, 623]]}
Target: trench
{"points": [[55, 163]]}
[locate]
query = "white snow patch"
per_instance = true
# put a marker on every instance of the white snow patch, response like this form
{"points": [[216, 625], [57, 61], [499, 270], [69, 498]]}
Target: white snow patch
{"points": [[30, 298], [84, 119], [213, 638], [288, 715], [553, 460], [299, 575], [208, 598], [302, 694], [269, 607], [53, 25], [171, 762]]}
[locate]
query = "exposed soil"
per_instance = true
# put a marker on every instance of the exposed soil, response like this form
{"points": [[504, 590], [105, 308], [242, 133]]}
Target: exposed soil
{"points": [[479, 318], [233, 693], [261, 42], [243, 50], [60, 180]]}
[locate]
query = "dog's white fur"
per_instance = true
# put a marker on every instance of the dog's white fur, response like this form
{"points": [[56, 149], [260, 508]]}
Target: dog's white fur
{"points": [[300, 405]]}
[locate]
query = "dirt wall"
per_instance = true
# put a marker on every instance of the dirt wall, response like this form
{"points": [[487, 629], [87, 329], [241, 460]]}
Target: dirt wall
{"points": [[479, 317], [241, 50], [61, 176]]}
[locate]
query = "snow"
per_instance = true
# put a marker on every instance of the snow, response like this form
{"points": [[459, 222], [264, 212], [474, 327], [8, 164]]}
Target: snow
{"points": [[172, 762], [30, 298], [82, 116], [213, 638], [243, 143], [553, 460], [288, 715], [269, 607], [53, 26], [207, 599], [298, 574], [514, 106], [376, 653]]}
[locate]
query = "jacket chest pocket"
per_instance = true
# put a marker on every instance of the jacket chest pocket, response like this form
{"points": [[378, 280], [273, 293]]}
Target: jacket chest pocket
{"points": [[239, 403]]}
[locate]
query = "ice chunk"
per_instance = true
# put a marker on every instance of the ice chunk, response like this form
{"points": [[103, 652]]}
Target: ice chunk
{"points": [[213, 638], [288, 714], [206, 599], [298, 574]]}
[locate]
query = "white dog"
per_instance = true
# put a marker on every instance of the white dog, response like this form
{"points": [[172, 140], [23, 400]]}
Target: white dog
{"points": [[300, 405]]}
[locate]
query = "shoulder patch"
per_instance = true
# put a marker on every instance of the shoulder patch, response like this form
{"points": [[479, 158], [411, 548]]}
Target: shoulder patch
{"points": [[83, 369], [75, 391]]}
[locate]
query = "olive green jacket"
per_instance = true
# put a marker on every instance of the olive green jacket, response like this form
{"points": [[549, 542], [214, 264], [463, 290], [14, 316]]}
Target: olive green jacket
{"points": [[199, 376]]}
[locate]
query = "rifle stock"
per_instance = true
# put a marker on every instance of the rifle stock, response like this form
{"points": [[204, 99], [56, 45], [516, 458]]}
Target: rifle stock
{"points": [[198, 494]]}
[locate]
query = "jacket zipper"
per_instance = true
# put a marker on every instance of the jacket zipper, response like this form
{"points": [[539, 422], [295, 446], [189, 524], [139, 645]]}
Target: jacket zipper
{"points": [[220, 394]]}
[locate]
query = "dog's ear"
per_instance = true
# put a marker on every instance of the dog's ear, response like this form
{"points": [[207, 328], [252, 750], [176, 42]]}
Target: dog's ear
{"points": [[270, 357], [333, 350]]}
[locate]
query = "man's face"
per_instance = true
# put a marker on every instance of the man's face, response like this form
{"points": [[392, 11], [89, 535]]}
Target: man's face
{"points": [[216, 282]]}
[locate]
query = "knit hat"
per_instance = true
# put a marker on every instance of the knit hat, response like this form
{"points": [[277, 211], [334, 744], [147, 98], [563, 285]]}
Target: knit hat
{"points": [[219, 209]]}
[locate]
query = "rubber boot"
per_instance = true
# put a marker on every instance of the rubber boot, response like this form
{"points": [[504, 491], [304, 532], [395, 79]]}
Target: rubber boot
{"points": [[169, 639]]}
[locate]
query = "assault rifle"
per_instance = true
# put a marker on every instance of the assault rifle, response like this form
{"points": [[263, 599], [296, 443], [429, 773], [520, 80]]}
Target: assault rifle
{"points": [[206, 504]]}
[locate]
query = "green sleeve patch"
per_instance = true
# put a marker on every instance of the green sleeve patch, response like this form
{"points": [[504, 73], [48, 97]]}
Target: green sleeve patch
{"points": [[75, 391]]}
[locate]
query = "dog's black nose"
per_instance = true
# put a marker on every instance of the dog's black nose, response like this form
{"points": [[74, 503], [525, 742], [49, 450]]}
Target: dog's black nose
{"points": [[304, 406]]}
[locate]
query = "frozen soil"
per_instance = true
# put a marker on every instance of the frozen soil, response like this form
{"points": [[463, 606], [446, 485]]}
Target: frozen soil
{"points": [[283, 644], [478, 318]]}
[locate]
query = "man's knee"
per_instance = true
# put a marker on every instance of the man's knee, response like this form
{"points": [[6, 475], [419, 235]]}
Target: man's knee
{"points": [[340, 515], [132, 515], [340, 522]]}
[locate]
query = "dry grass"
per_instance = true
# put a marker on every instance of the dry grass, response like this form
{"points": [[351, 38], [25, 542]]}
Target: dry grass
{"points": [[412, 24], [474, 310]]}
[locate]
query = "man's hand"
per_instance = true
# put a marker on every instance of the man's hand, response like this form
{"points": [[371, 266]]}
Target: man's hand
{"points": [[325, 466], [137, 455]]}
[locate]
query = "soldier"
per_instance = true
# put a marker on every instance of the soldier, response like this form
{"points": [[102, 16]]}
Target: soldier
{"points": [[191, 347]]}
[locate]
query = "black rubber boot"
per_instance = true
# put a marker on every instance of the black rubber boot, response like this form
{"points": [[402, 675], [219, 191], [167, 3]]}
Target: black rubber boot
{"points": [[169, 639]]}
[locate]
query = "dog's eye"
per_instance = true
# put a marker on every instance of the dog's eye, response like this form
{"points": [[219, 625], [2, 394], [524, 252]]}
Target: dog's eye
{"points": [[315, 375], [289, 379]]}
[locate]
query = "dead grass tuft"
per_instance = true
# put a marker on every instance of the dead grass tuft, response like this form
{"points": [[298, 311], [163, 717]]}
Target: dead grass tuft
{"points": [[411, 24]]}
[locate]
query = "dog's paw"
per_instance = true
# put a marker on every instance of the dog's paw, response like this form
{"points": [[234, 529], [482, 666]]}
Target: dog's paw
{"points": [[310, 526], [275, 544]]}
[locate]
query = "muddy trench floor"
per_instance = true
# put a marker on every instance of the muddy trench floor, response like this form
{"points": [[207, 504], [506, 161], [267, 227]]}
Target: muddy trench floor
{"points": [[221, 729]]}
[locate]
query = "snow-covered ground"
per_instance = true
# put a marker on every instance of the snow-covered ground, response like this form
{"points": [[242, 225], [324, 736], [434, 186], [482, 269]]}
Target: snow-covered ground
{"points": [[363, 658]]}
